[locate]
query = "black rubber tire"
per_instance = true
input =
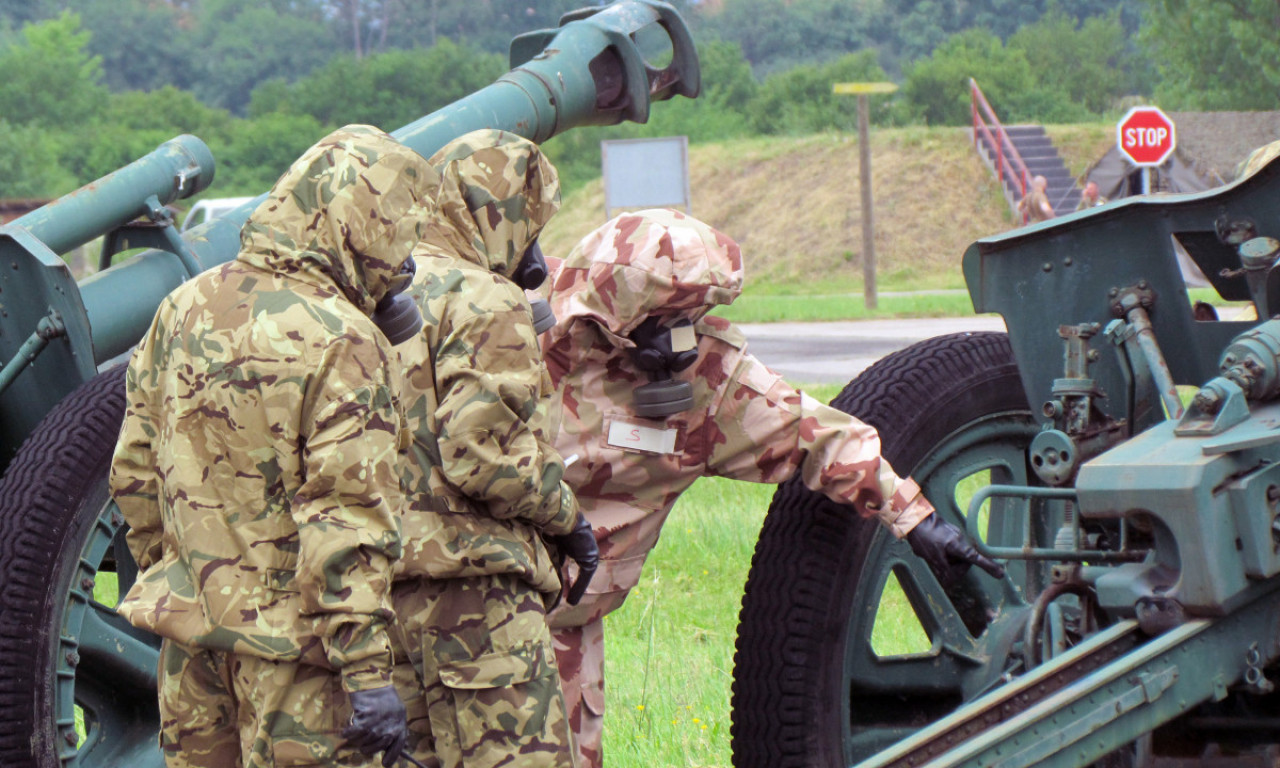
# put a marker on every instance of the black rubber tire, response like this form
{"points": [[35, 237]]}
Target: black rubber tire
{"points": [[788, 681], [53, 498]]}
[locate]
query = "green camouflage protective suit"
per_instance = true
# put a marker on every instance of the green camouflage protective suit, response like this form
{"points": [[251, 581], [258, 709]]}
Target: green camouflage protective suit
{"points": [[746, 422], [257, 465], [486, 486]]}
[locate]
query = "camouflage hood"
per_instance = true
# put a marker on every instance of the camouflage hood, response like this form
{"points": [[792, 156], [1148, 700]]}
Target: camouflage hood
{"points": [[497, 192], [348, 212], [643, 263]]}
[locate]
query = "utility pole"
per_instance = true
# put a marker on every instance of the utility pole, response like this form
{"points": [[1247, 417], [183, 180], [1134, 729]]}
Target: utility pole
{"points": [[862, 90]]}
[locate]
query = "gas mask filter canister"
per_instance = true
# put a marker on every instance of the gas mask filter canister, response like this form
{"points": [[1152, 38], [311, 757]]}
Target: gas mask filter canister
{"points": [[531, 270], [530, 273], [397, 315], [661, 351]]}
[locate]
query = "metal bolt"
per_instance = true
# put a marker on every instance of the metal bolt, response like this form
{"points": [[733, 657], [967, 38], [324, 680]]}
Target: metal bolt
{"points": [[117, 518], [1067, 262], [1207, 401], [87, 582], [71, 738], [1114, 292], [1047, 267], [1142, 285]]}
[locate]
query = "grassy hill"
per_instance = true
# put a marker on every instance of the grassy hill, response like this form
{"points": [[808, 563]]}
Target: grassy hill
{"points": [[794, 205]]}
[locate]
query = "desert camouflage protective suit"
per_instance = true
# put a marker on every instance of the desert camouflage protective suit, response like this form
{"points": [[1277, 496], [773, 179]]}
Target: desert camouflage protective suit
{"points": [[486, 484], [746, 422], [256, 466]]}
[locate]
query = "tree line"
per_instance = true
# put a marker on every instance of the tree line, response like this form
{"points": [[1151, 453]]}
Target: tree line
{"points": [[89, 85]]}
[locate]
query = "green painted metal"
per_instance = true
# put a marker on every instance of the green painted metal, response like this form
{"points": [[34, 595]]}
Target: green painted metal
{"points": [[116, 703], [887, 696], [1063, 272], [1169, 523], [1101, 695], [179, 168], [600, 68]]}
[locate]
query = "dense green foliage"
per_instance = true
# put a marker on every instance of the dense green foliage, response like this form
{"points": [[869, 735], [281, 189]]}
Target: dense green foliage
{"points": [[91, 84], [1214, 54]]}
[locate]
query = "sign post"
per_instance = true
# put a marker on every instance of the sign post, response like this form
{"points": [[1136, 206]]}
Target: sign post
{"points": [[864, 168], [1147, 137]]}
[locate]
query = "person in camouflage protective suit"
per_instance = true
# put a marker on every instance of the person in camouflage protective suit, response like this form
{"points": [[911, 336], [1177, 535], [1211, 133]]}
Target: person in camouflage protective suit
{"points": [[481, 687], [663, 269], [257, 470]]}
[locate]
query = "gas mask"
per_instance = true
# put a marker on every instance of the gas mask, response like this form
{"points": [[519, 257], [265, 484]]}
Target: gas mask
{"points": [[531, 269], [661, 351], [397, 315], [529, 274]]}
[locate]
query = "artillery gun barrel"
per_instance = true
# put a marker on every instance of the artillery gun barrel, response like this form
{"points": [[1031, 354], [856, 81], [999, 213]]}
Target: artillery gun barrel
{"points": [[598, 68], [590, 72], [178, 168]]}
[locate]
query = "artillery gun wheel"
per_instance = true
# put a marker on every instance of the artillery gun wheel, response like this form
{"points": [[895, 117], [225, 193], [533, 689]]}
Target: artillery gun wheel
{"points": [[77, 683], [809, 687]]}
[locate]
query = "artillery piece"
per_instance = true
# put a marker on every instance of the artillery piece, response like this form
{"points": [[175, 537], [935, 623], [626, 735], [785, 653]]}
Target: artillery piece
{"points": [[77, 683], [1139, 622]]}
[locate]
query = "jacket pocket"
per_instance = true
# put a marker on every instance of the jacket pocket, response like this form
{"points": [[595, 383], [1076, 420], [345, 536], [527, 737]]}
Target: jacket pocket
{"points": [[499, 669]]}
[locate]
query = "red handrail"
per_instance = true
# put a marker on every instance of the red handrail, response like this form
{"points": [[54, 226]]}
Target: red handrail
{"points": [[1007, 158]]}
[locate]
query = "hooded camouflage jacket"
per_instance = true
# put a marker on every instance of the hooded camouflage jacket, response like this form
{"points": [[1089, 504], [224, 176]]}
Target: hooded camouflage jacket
{"points": [[746, 422], [256, 465], [474, 379]]}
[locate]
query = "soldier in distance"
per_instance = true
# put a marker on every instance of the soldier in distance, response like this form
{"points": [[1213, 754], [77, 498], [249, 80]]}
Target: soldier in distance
{"points": [[652, 393]]}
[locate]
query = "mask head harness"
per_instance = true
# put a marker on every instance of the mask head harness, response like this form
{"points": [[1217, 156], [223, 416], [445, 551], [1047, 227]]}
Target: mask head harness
{"points": [[530, 273], [397, 315], [661, 351]]}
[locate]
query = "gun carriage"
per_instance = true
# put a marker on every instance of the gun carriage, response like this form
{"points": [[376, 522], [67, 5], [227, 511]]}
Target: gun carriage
{"points": [[1139, 623]]}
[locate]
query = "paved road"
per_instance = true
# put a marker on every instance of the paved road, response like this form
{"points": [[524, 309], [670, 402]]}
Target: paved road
{"points": [[836, 352]]}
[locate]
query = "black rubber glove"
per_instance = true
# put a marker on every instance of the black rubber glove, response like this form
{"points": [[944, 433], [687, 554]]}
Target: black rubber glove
{"points": [[580, 546], [947, 551], [377, 724]]}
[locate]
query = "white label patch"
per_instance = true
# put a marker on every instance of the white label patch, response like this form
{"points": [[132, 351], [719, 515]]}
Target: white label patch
{"points": [[683, 338], [642, 438]]}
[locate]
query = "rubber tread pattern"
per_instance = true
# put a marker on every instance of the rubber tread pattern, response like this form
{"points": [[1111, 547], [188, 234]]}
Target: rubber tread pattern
{"points": [[785, 700], [67, 453]]}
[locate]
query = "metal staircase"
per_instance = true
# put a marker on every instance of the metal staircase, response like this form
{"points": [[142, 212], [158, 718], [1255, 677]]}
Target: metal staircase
{"points": [[1017, 153]]}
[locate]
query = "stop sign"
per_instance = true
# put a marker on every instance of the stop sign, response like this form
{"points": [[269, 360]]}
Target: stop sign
{"points": [[1146, 136]]}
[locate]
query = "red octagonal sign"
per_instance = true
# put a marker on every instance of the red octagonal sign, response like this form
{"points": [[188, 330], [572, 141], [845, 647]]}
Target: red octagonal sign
{"points": [[1146, 136]]}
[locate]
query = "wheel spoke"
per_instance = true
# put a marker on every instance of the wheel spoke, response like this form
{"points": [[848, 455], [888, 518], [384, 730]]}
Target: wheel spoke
{"points": [[970, 624], [111, 649], [116, 690], [936, 607]]}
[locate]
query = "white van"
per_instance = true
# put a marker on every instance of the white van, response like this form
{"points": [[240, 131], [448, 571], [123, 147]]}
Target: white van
{"points": [[205, 210]]}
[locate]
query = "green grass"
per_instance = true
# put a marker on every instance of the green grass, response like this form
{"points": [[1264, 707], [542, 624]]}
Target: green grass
{"points": [[847, 306], [669, 649]]}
